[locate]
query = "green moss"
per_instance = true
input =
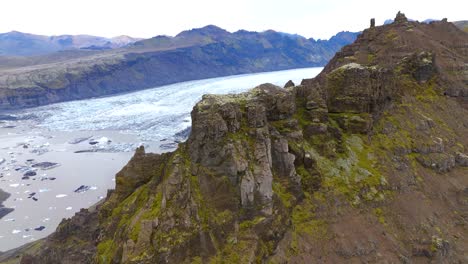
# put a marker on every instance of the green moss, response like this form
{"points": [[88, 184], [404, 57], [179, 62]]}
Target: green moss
{"points": [[370, 58], [196, 260], [135, 231], [282, 126], [223, 217], [309, 182], [174, 238], [285, 197], [304, 222], [237, 252], [124, 215], [436, 244], [155, 209], [140, 258], [105, 251], [426, 92], [251, 223], [336, 81], [354, 174], [380, 216], [391, 35]]}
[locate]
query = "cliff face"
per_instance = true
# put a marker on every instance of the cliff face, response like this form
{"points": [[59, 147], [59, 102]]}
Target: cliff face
{"points": [[365, 163], [196, 54]]}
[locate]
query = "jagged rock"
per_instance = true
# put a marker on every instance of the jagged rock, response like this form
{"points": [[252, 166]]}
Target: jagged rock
{"points": [[138, 171], [311, 105], [256, 115], [279, 103], [400, 18], [289, 84], [436, 145], [425, 124], [352, 89], [315, 129], [461, 159], [420, 65], [440, 162], [354, 123]]}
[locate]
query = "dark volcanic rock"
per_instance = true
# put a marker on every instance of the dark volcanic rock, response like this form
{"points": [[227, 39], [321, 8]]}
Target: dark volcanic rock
{"points": [[289, 84], [40, 228], [30, 174], [82, 188], [45, 165]]}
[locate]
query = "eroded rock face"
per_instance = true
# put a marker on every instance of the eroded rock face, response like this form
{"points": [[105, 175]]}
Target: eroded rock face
{"points": [[234, 137], [364, 163]]}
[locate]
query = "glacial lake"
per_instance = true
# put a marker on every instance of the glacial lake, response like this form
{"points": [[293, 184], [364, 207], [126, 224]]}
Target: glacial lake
{"points": [[89, 141]]}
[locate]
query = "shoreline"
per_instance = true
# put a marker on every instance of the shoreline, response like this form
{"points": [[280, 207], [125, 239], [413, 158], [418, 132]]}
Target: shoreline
{"points": [[45, 177]]}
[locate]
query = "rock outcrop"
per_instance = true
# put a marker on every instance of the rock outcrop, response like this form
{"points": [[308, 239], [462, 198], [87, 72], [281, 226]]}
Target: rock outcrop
{"points": [[365, 163]]}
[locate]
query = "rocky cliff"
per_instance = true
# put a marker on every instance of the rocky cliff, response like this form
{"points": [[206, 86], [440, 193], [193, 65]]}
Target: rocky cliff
{"points": [[367, 163], [195, 54]]}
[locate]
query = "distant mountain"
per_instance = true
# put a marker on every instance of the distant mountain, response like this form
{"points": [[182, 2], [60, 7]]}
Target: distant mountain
{"points": [[463, 25], [427, 21], [193, 54], [16, 43]]}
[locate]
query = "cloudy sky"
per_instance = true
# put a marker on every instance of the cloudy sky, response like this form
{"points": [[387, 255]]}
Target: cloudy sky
{"points": [[147, 18]]}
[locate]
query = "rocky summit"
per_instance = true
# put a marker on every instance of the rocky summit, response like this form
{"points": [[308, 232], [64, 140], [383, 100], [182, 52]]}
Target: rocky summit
{"points": [[366, 163]]}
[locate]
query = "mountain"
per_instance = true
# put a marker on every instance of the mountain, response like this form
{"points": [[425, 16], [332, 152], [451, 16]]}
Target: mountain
{"points": [[366, 163], [16, 43], [427, 21], [194, 54], [463, 25]]}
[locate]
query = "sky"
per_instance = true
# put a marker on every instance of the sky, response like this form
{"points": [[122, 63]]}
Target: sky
{"points": [[145, 18]]}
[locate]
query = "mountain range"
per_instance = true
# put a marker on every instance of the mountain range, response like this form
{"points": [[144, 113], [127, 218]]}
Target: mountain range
{"points": [[29, 81], [463, 25], [365, 163], [16, 43]]}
